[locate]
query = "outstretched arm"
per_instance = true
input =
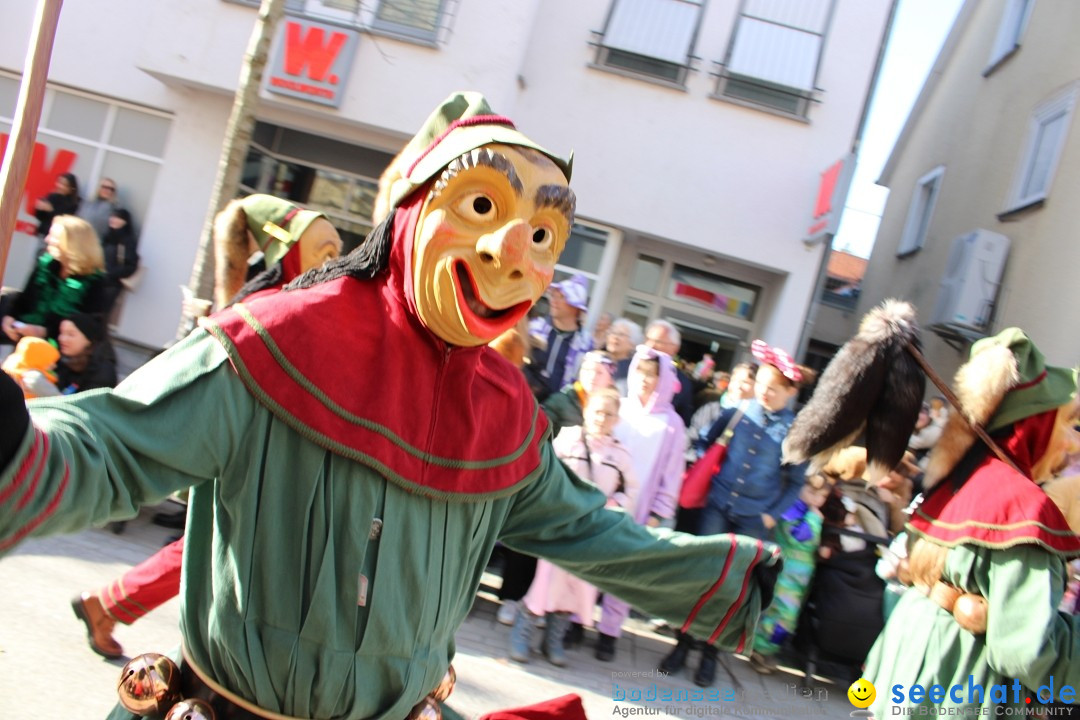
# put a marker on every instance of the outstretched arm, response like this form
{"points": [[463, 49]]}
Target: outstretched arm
{"points": [[716, 586], [85, 459]]}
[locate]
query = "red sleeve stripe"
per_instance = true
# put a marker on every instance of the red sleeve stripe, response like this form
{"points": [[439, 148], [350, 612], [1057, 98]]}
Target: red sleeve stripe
{"points": [[742, 643], [742, 595], [716, 586], [28, 493], [40, 517], [36, 456]]}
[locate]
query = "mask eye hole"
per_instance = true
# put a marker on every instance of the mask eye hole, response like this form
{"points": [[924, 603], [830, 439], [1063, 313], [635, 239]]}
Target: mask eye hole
{"points": [[542, 237], [476, 207]]}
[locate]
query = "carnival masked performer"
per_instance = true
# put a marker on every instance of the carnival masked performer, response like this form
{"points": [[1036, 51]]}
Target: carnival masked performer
{"points": [[988, 549], [354, 451]]}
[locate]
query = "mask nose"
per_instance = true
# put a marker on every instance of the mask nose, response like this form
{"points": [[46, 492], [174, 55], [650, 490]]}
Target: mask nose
{"points": [[507, 249]]}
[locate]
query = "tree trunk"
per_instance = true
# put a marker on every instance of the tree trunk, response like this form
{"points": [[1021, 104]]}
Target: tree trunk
{"points": [[233, 153]]}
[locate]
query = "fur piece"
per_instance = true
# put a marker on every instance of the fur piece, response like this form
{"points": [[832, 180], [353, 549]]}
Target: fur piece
{"points": [[980, 386], [892, 418], [869, 380], [232, 248]]}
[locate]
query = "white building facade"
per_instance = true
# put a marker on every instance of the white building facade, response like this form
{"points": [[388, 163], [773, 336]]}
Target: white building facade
{"points": [[978, 232], [700, 129]]}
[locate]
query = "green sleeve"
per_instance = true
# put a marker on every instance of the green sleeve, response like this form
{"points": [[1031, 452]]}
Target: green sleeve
{"points": [[561, 411], [1026, 636], [97, 456], [673, 575]]}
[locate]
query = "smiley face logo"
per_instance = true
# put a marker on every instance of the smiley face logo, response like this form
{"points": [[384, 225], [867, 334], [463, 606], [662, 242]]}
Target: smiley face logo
{"points": [[861, 693]]}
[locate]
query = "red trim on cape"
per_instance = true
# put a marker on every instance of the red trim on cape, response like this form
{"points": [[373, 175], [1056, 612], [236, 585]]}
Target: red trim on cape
{"points": [[995, 508], [348, 364]]}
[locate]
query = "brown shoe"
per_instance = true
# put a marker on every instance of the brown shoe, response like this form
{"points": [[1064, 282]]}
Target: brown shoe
{"points": [[99, 626]]}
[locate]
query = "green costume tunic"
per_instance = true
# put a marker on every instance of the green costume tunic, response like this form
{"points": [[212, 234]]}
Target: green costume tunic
{"points": [[291, 599], [1026, 639]]}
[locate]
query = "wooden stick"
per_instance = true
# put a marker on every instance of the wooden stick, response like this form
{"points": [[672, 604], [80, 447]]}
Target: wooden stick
{"points": [[20, 147], [955, 402]]}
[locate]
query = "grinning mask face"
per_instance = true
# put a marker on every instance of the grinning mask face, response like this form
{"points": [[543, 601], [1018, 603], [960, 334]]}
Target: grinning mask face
{"points": [[487, 240]]}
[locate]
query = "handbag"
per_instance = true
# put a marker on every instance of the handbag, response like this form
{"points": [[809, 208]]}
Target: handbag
{"points": [[698, 477]]}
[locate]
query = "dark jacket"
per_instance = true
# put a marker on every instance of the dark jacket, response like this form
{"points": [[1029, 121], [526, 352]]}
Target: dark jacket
{"points": [[62, 205], [121, 256], [753, 478], [99, 372]]}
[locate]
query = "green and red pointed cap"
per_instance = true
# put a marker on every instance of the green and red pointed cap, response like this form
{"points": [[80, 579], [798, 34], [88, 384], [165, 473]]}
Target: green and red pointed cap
{"points": [[462, 122], [277, 224]]}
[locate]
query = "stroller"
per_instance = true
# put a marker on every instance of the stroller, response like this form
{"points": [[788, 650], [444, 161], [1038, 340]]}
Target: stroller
{"points": [[842, 614]]}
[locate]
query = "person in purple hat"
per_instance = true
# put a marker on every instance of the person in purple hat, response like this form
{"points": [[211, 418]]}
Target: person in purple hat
{"points": [[560, 339]]}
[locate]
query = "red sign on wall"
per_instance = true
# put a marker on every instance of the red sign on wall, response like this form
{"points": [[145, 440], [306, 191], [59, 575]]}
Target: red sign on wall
{"points": [[41, 178], [312, 61], [831, 196]]}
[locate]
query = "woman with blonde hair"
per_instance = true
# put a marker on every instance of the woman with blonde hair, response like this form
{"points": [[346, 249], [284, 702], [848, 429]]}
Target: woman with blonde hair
{"points": [[67, 279]]}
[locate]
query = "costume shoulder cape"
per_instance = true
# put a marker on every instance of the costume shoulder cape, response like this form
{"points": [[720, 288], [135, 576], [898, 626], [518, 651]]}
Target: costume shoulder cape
{"points": [[345, 364], [995, 508]]}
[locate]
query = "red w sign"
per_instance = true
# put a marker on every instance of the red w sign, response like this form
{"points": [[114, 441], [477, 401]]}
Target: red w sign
{"points": [[311, 48], [42, 175], [312, 61]]}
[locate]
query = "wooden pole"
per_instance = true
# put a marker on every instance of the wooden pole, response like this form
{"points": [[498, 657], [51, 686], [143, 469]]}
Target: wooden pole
{"points": [[20, 147]]}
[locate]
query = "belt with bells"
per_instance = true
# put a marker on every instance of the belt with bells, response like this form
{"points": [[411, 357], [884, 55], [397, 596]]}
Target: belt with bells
{"points": [[154, 685]]}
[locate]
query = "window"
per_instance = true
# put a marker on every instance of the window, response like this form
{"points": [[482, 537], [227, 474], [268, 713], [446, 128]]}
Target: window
{"points": [[774, 54], [1046, 138], [419, 19], [1013, 22], [651, 37], [920, 211]]}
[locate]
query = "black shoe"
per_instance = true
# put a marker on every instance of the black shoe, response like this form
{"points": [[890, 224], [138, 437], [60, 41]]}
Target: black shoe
{"points": [[676, 659], [605, 648], [574, 636], [173, 521], [706, 671]]}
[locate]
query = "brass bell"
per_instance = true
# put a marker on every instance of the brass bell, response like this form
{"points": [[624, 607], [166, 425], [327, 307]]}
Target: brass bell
{"points": [[426, 709], [149, 684], [191, 709], [445, 686]]}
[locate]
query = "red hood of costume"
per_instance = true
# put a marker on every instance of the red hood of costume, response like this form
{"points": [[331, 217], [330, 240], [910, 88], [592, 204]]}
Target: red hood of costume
{"points": [[997, 507], [349, 365]]}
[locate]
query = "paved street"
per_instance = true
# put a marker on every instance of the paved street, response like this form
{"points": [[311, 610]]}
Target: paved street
{"points": [[47, 671]]}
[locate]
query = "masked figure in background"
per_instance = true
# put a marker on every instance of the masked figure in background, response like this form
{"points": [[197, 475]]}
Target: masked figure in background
{"points": [[988, 550], [354, 451]]}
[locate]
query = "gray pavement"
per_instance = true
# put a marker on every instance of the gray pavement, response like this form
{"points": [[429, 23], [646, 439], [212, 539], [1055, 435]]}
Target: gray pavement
{"points": [[47, 670]]}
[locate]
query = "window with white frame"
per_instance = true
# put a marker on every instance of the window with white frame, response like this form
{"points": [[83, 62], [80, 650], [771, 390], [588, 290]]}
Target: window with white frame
{"points": [[775, 52], [651, 37], [920, 212], [421, 19], [1046, 135], [1014, 21]]}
